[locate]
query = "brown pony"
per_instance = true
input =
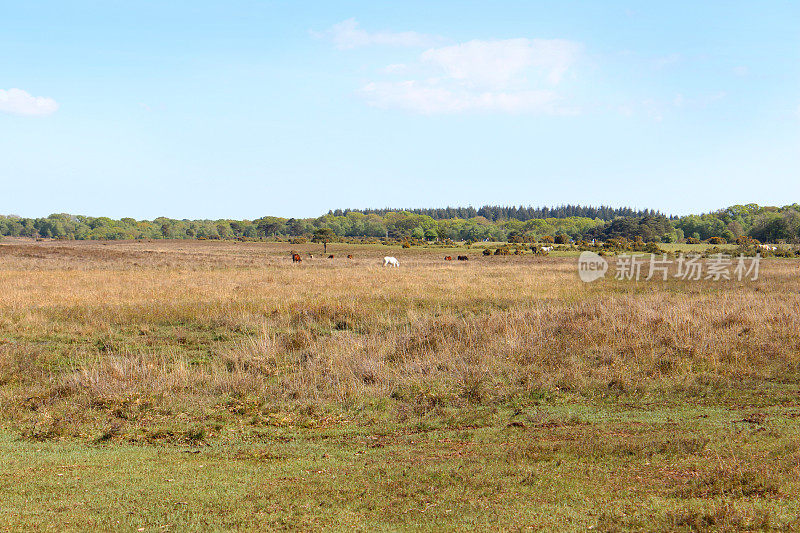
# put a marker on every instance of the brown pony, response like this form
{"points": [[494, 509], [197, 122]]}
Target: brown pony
{"points": [[448, 258], [296, 258]]}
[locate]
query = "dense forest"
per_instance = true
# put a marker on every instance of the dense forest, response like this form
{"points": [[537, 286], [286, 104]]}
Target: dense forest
{"points": [[767, 224], [497, 212]]}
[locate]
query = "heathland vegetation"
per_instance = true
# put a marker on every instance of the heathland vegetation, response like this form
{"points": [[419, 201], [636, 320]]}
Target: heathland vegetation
{"points": [[493, 223], [214, 385]]}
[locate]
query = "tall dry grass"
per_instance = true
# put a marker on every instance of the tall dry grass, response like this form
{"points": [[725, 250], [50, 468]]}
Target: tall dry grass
{"points": [[209, 329]]}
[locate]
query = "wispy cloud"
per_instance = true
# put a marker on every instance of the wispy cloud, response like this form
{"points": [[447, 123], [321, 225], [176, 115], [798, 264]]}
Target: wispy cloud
{"points": [[741, 71], [395, 68], [665, 61], [348, 34], [511, 76], [657, 109], [506, 75], [427, 97], [497, 63], [19, 102]]}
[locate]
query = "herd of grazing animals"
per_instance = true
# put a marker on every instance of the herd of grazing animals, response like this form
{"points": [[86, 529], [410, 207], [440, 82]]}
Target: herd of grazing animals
{"points": [[392, 261], [297, 259], [387, 261]]}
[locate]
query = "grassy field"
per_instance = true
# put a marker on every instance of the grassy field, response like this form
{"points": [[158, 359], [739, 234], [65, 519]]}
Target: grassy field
{"points": [[182, 386]]}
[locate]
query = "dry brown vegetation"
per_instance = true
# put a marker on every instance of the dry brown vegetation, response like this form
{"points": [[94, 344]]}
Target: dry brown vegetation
{"points": [[208, 342], [183, 325]]}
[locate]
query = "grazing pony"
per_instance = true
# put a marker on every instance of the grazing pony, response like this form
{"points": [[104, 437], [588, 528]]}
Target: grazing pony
{"points": [[330, 256], [463, 258], [391, 261], [296, 258], [448, 258], [349, 256], [546, 249]]}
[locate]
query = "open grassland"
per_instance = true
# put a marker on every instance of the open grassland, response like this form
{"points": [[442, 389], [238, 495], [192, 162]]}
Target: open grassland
{"points": [[215, 385]]}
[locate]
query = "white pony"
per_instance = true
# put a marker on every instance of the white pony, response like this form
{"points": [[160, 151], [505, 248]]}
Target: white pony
{"points": [[391, 261]]}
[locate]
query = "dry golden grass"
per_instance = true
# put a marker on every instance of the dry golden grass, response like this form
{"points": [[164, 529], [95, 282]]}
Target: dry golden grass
{"points": [[185, 326], [494, 393]]}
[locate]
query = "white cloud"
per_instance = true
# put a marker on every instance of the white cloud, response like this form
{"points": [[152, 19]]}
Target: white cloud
{"points": [[659, 108], [626, 110], [497, 63], [719, 95], [19, 102], [395, 68], [510, 76], [666, 61], [347, 34], [429, 97]]}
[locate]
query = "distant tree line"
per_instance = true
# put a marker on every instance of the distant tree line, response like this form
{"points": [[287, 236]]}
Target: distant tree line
{"points": [[767, 224], [497, 212]]}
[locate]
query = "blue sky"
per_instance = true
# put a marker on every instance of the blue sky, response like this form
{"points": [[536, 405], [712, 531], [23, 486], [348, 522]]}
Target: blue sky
{"points": [[240, 109]]}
